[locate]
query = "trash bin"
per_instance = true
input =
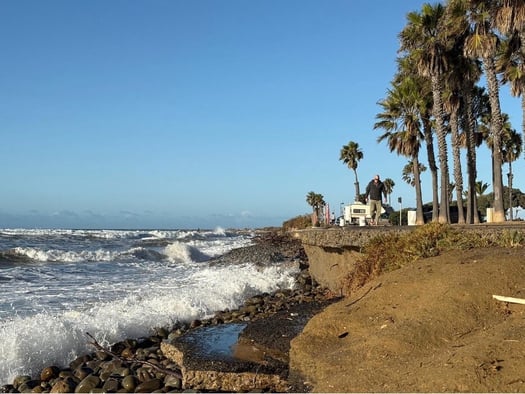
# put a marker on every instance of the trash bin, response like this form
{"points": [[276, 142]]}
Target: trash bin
{"points": [[342, 221], [362, 221], [411, 218]]}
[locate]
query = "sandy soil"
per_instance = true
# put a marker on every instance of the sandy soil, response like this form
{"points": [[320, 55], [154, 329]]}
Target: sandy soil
{"points": [[430, 327]]}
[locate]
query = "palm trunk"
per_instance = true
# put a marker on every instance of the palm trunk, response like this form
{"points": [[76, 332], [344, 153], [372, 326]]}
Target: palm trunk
{"points": [[472, 201], [458, 174], [356, 184], [420, 218], [444, 210], [429, 141], [496, 130], [511, 216]]}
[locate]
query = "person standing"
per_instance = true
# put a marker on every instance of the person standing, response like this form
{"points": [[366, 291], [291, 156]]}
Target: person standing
{"points": [[374, 190]]}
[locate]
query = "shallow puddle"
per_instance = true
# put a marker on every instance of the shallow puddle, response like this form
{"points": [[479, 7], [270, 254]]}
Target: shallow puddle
{"points": [[216, 341]]}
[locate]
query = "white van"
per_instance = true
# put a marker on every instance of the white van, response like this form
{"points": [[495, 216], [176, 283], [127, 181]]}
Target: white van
{"points": [[358, 213]]}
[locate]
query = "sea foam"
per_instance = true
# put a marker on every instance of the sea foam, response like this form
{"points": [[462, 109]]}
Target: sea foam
{"points": [[33, 342]]}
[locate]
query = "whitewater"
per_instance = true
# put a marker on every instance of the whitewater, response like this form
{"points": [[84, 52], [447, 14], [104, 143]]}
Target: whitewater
{"points": [[58, 285]]}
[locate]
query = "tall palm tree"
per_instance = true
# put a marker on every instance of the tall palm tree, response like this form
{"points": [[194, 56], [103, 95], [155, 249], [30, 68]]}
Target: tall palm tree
{"points": [[482, 42], [452, 103], [460, 86], [400, 120], [471, 72], [475, 106], [506, 138], [389, 188], [316, 201], [425, 38], [351, 154], [407, 67]]}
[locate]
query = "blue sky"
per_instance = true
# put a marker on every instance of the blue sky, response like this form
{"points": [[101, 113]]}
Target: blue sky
{"points": [[194, 114]]}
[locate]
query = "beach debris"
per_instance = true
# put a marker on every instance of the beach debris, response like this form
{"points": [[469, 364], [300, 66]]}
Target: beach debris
{"points": [[509, 299]]}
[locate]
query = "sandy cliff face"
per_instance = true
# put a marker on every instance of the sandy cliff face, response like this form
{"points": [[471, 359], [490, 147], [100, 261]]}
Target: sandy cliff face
{"points": [[332, 253], [431, 326]]}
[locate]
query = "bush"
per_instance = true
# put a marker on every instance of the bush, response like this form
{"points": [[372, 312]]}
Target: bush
{"points": [[298, 222]]}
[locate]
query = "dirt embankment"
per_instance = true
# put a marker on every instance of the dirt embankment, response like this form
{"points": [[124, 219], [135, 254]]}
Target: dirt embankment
{"points": [[432, 326]]}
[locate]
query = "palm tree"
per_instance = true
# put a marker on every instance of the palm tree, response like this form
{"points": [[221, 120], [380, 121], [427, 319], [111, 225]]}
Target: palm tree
{"points": [[509, 139], [452, 103], [509, 17], [475, 106], [316, 201], [482, 42], [481, 188], [408, 173], [511, 65], [510, 20], [470, 74], [350, 155], [460, 87], [400, 120], [426, 40], [407, 67], [389, 188]]}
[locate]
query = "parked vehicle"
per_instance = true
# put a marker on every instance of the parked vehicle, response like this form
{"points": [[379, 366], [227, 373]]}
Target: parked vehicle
{"points": [[427, 214], [358, 213]]}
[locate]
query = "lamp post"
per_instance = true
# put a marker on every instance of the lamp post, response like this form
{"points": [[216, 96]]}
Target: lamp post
{"points": [[400, 201], [510, 177]]}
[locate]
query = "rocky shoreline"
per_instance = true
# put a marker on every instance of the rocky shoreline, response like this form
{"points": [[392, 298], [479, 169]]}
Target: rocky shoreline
{"points": [[139, 365]]}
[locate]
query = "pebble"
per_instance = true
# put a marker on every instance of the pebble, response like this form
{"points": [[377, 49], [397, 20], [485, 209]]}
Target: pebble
{"points": [[129, 383], [87, 384], [49, 373]]}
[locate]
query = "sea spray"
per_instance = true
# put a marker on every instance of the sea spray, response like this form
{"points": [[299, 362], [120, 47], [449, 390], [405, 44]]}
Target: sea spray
{"points": [[115, 285]]}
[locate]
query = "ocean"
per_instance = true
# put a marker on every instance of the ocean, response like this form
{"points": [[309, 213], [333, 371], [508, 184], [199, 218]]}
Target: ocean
{"points": [[58, 285]]}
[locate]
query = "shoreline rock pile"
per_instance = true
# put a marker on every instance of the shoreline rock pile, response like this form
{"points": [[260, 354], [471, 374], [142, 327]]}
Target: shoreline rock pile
{"points": [[141, 366]]}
